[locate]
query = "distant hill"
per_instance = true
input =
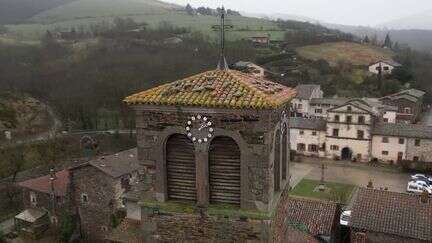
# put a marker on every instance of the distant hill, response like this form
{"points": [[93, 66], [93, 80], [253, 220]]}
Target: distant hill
{"points": [[18, 11], [354, 53], [421, 21]]}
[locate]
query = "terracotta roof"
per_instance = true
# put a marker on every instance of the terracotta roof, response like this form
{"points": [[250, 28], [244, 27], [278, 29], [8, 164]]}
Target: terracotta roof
{"points": [[119, 164], [305, 123], [403, 130], [392, 213], [217, 89], [43, 184], [294, 235], [304, 91], [317, 216]]}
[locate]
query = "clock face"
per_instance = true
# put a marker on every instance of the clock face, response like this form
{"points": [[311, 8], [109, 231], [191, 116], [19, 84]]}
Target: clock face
{"points": [[199, 129]]}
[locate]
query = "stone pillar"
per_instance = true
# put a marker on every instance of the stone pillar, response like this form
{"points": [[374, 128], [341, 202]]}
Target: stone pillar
{"points": [[202, 175]]}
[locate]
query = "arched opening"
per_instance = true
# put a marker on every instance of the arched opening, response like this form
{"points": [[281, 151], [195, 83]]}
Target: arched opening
{"points": [[181, 172], [276, 167], [346, 154], [284, 153], [224, 171]]}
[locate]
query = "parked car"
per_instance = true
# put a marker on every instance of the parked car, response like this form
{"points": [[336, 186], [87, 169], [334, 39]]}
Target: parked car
{"points": [[422, 177], [424, 183], [418, 187], [345, 217]]}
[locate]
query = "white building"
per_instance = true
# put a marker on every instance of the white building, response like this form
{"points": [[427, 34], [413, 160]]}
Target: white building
{"points": [[386, 67], [320, 106], [308, 136], [305, 93]]}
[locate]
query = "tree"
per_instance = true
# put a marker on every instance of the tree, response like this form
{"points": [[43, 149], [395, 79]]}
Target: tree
{"points": [[366, 40], [387, 42], [189, 9]]}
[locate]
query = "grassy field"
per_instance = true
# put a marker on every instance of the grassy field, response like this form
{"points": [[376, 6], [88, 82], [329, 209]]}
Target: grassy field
{"points": [[336, 192], [357, 54], [87, 12]]}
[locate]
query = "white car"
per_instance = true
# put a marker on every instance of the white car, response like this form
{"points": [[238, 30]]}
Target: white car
{"points": [[422, 177], [345, 217], [418, 187]]}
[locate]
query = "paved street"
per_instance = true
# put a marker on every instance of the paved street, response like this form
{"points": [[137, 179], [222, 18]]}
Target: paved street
{"points": [[357, 175]]}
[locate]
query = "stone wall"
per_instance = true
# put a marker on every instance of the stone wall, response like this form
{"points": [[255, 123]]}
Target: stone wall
{"points": [[95, 214], [253, 131], [423, 152]]}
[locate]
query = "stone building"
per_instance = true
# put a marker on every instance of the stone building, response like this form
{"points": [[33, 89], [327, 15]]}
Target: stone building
{"points": [[216, 138], [408, 102], [382, 216], [98, 188], [50, 193], [305, 93]]}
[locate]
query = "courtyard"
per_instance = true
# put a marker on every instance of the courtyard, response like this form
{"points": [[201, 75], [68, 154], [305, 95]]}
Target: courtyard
{"points": [[348, 173]]}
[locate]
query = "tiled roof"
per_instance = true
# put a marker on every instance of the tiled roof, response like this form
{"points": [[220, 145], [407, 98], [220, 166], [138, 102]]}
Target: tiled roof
{"points": [[294, 235], [217, 89], [410, 94], [317, 216], [304, 91], [43, 184], [329, 101], [402, 130], [305, 123], [119, 164], [392, 213]]}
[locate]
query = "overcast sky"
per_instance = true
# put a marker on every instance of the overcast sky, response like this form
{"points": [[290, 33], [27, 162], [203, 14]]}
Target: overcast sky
{"points": [[352, 12]]}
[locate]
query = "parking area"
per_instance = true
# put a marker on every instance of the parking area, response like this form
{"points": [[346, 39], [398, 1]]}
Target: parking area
{"points": [[358, 174]]}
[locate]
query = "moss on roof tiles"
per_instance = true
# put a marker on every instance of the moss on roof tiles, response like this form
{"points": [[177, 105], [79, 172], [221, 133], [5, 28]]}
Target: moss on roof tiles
{"points": [[217, 89]]}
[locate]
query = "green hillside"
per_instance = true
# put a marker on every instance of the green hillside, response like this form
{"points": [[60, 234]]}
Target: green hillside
{"points": [[152, 12], [354, 53]]}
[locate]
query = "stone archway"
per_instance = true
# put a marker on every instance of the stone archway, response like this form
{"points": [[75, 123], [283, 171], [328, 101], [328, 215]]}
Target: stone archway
{"points": [[181, 168], [346, 153], [224, 171]]}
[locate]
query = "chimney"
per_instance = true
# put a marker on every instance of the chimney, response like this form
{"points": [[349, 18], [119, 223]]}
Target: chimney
{"points": [[424, 197]]}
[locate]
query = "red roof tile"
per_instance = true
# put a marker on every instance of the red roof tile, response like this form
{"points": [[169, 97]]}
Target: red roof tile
{"points": [[43, 184]]}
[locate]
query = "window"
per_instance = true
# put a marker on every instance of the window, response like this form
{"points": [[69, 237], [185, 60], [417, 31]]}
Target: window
{"points": [[314, 133], [335, 132], [407, 110], [301, 132], [349, 108], [361, 120], [415, 158], [313, 148], [359, 156], [84, 198], [301, 147], [318, 111], [300, 106], [334, 147], [386, 68], [33, 199], [336, 118], [125, 184], [386, 120], [349, 119], [104, 228], [384, 152], [360, 134], [385, 140], [417, 142], [401, 141]]}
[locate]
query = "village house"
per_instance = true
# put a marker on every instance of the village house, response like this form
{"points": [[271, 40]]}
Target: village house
{"points": [[308, 136], [383, 67], [320, 106], [217, 137], [409, 104], [381, 216], [260, 39], [305, 93], [98, 190], [45, 199]]}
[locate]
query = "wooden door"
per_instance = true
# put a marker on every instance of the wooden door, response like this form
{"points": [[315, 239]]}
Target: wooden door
{"points": [[224, 171], [181, 172]]}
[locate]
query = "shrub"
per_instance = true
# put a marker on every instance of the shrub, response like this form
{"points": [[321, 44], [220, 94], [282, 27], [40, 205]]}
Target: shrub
{"points": [[67, 227]]}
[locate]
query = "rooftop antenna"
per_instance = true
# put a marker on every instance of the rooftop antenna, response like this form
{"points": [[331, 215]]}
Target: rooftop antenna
{"points": [[222, 27]]}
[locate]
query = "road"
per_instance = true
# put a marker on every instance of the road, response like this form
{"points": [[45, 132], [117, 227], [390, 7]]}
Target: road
{"points": [[356, 175]]}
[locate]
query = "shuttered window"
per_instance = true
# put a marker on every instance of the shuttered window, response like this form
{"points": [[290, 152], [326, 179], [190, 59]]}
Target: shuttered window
{"points": [[181, 172], [224, 171]]}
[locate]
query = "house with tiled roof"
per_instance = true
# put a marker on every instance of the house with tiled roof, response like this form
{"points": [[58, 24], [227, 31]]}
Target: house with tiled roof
{"points": [[305, 93], [409, 103], [98, 190], [307, 136], [383, 216]]}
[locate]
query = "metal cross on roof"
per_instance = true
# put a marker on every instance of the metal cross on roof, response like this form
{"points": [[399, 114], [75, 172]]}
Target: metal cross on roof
{"points": [[222, 27]]}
